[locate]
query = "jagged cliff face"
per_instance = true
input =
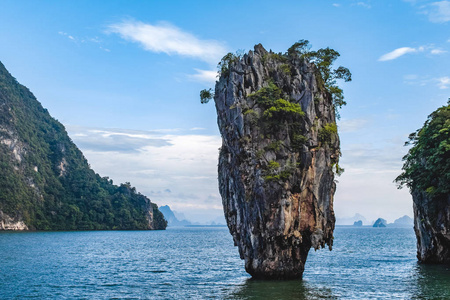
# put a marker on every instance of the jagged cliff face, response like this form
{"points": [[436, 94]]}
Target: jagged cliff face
{"points": [[45, 181], [432, 227], [276, 163]]}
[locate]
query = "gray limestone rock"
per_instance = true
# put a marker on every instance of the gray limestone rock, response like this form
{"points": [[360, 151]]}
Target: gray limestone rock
{"points": [[432, 227], [276, 174]]}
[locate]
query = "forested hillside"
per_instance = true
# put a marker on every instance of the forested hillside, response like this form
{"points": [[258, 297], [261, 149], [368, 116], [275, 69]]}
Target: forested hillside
{"points": [[47, 183]]}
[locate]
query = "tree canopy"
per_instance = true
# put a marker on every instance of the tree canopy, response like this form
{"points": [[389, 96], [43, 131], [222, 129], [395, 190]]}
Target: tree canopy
{"points": [[323, 60], [427, 165]]}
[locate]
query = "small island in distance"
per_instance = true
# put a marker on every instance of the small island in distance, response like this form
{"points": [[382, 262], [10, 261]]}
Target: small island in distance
{"points": [[359, 220]]}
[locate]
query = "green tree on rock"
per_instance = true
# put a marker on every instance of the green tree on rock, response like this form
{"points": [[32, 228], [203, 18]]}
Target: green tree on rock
{"points": [[427, 165]]}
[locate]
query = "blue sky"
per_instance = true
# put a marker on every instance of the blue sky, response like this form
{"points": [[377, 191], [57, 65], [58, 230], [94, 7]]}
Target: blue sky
{"points": [[124, 78]]}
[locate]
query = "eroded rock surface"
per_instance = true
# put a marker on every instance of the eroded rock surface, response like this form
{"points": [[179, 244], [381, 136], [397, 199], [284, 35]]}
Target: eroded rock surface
{"points": [[276, 165], [8, 223], [432, 227]]}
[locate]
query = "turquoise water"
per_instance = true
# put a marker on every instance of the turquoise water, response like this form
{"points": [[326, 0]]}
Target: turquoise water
{"points": [[201, 263]]}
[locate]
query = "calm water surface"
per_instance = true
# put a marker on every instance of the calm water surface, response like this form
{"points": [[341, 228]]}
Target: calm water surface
{"points": [[201, 263]]}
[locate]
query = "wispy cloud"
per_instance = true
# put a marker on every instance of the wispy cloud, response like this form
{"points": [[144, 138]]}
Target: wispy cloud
{"points": [[364, 4], [399, 52], [206, 76], [430, 49], [70, 37], [79, 41], [439, 12], [444, 82], [166, 38], [117, 140], [437, 51]]}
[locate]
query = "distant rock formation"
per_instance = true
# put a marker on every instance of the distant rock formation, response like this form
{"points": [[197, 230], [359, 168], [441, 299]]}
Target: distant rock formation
{"points": [[351, 220], [172, 220], [280, 147], [404, 221], [45, 181], [358, 223], [380, 222]]}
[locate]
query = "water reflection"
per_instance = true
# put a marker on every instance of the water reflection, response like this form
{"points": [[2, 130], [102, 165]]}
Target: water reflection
{"points": [[271, 289], [432, 281]]}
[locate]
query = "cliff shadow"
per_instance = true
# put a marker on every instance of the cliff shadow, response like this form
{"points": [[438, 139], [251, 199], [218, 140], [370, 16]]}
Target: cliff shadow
{"points": [[279, 289]]}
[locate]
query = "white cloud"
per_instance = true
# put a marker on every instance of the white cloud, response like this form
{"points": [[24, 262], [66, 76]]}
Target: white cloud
{"points": [[336, 4], [157, 161], [66, 35], [399, 52], [439, 12], [437, 51], [405, 50], [206, 76], [166, 38], [444, 82]]}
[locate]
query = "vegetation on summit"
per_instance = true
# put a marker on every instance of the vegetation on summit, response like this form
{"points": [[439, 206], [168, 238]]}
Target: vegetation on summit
{"points": [[323, 59], [427, 164]]}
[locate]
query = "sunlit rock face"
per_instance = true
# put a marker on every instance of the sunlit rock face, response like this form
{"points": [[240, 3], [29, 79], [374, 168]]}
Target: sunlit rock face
{"points": [[432, 227], [8, 223], [276, 163]]}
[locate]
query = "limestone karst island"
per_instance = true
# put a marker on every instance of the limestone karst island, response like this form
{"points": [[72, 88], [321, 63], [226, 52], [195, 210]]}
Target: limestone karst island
{"points": [[280, 152], [426, 172], [45, 181]]}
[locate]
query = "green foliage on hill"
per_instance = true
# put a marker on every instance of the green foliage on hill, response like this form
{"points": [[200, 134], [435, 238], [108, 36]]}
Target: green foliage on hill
{"points": [[427, 165], [48, 182]]}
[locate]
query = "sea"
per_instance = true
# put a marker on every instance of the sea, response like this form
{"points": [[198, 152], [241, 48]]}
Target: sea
{"points": [[202, 263]]}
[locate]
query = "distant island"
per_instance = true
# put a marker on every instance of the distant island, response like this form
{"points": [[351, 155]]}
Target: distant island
{"points": [[172, 220], [46, 182], [404, 221], [380, 222], [351, 220], [358, 223], [359, 220]]}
